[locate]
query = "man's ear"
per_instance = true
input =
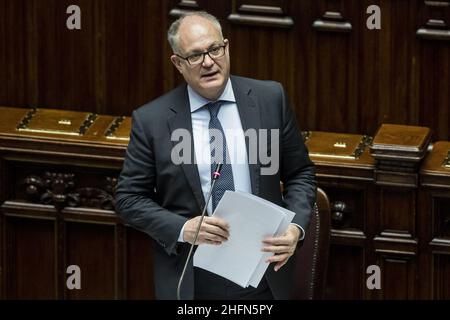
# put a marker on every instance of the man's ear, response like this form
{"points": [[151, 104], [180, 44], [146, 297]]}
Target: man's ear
{"points": [[176, 62]]}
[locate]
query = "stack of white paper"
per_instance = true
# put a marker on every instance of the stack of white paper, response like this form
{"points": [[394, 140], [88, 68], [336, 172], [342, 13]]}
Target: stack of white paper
{"points": [[251, 219]]}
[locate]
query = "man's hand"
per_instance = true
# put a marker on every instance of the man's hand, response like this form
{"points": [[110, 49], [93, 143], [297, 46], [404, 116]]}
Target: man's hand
{"points": [[283, 246], [213, 230]]}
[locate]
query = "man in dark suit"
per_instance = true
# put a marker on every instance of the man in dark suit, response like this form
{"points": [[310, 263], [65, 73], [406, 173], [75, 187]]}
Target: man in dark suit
{"points": [[164, 199]]}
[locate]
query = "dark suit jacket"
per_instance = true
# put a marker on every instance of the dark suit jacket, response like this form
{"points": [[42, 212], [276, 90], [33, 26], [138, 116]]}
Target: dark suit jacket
{"points": [[157, 197]]}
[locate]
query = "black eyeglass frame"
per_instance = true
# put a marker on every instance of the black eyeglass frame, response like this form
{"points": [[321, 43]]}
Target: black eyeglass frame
{"points": [[207, 52]]}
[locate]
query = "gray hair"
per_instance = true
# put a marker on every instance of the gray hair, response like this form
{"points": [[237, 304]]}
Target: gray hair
{"points": [[172, 33]]}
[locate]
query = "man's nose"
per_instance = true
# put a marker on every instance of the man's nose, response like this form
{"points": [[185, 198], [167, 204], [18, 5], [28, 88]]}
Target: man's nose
{"points": [[207, 61]]}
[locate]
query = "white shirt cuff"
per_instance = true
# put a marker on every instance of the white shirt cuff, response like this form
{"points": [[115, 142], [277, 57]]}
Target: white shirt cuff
{"points": [[302, 230], [180, 237]]}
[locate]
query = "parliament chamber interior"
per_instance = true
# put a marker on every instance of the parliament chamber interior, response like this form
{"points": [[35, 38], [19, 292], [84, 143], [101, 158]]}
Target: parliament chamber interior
{"points": [[368, 81]]}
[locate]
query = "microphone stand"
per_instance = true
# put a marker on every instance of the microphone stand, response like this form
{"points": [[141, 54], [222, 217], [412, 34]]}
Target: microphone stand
{"points": [[215, 176]]}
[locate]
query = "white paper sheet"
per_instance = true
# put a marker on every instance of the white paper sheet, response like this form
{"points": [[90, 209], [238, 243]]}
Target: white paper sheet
{"points": [[251, 219]]}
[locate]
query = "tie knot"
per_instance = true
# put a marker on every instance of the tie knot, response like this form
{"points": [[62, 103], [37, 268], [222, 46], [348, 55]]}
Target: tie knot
{"points": [[213, 108]]}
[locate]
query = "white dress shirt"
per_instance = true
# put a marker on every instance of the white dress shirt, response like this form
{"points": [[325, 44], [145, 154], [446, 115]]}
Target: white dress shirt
{"points": [[234, 135]]}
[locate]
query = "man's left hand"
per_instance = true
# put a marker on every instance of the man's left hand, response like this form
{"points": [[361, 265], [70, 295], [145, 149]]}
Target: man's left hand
{"points": [[283, 246]]}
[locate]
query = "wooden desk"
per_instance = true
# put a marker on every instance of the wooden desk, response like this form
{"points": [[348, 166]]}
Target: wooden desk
{"points": [[59, 170], [389, 194]]}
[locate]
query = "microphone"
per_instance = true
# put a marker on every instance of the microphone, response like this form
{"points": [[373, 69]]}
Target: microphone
{"points": [[215, 176]]}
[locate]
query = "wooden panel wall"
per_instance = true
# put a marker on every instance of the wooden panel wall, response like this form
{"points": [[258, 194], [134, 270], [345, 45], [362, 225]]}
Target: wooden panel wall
{"points": [[113, 64], [341, 76]]}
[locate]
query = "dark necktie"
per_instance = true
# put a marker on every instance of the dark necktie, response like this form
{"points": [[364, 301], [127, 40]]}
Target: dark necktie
{"points": [[219, 154]]}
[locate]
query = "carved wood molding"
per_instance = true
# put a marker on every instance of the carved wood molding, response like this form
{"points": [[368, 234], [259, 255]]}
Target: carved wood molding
{"points": [[363, 144], [356, 236], [446, 163], [437, 3], [31, 122], [110, 132], [435, 29], [23, 124], [264, 16], [341, 214], [87, 123], [59, 189], [343, 147], [332, 22], [394, 177], [399, 149], [183, 7], [396, 244]]}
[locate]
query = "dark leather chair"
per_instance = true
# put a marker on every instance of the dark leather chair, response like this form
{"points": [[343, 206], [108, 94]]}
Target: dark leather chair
{"points": [[312, 253]]}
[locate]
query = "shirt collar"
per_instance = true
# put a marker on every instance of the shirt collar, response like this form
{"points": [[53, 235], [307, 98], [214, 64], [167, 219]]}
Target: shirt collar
{"points": [[196, 101]]}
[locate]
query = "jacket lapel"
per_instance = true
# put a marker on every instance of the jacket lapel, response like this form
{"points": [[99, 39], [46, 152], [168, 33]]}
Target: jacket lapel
{"points": [[250, 119], [181, 119]]}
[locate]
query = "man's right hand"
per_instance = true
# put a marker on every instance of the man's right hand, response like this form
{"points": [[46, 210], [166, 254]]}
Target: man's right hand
{"points": [[213, 230]]}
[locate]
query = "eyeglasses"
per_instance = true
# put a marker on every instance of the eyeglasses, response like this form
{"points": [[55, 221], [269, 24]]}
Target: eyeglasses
{"points": [[198, 58]]}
